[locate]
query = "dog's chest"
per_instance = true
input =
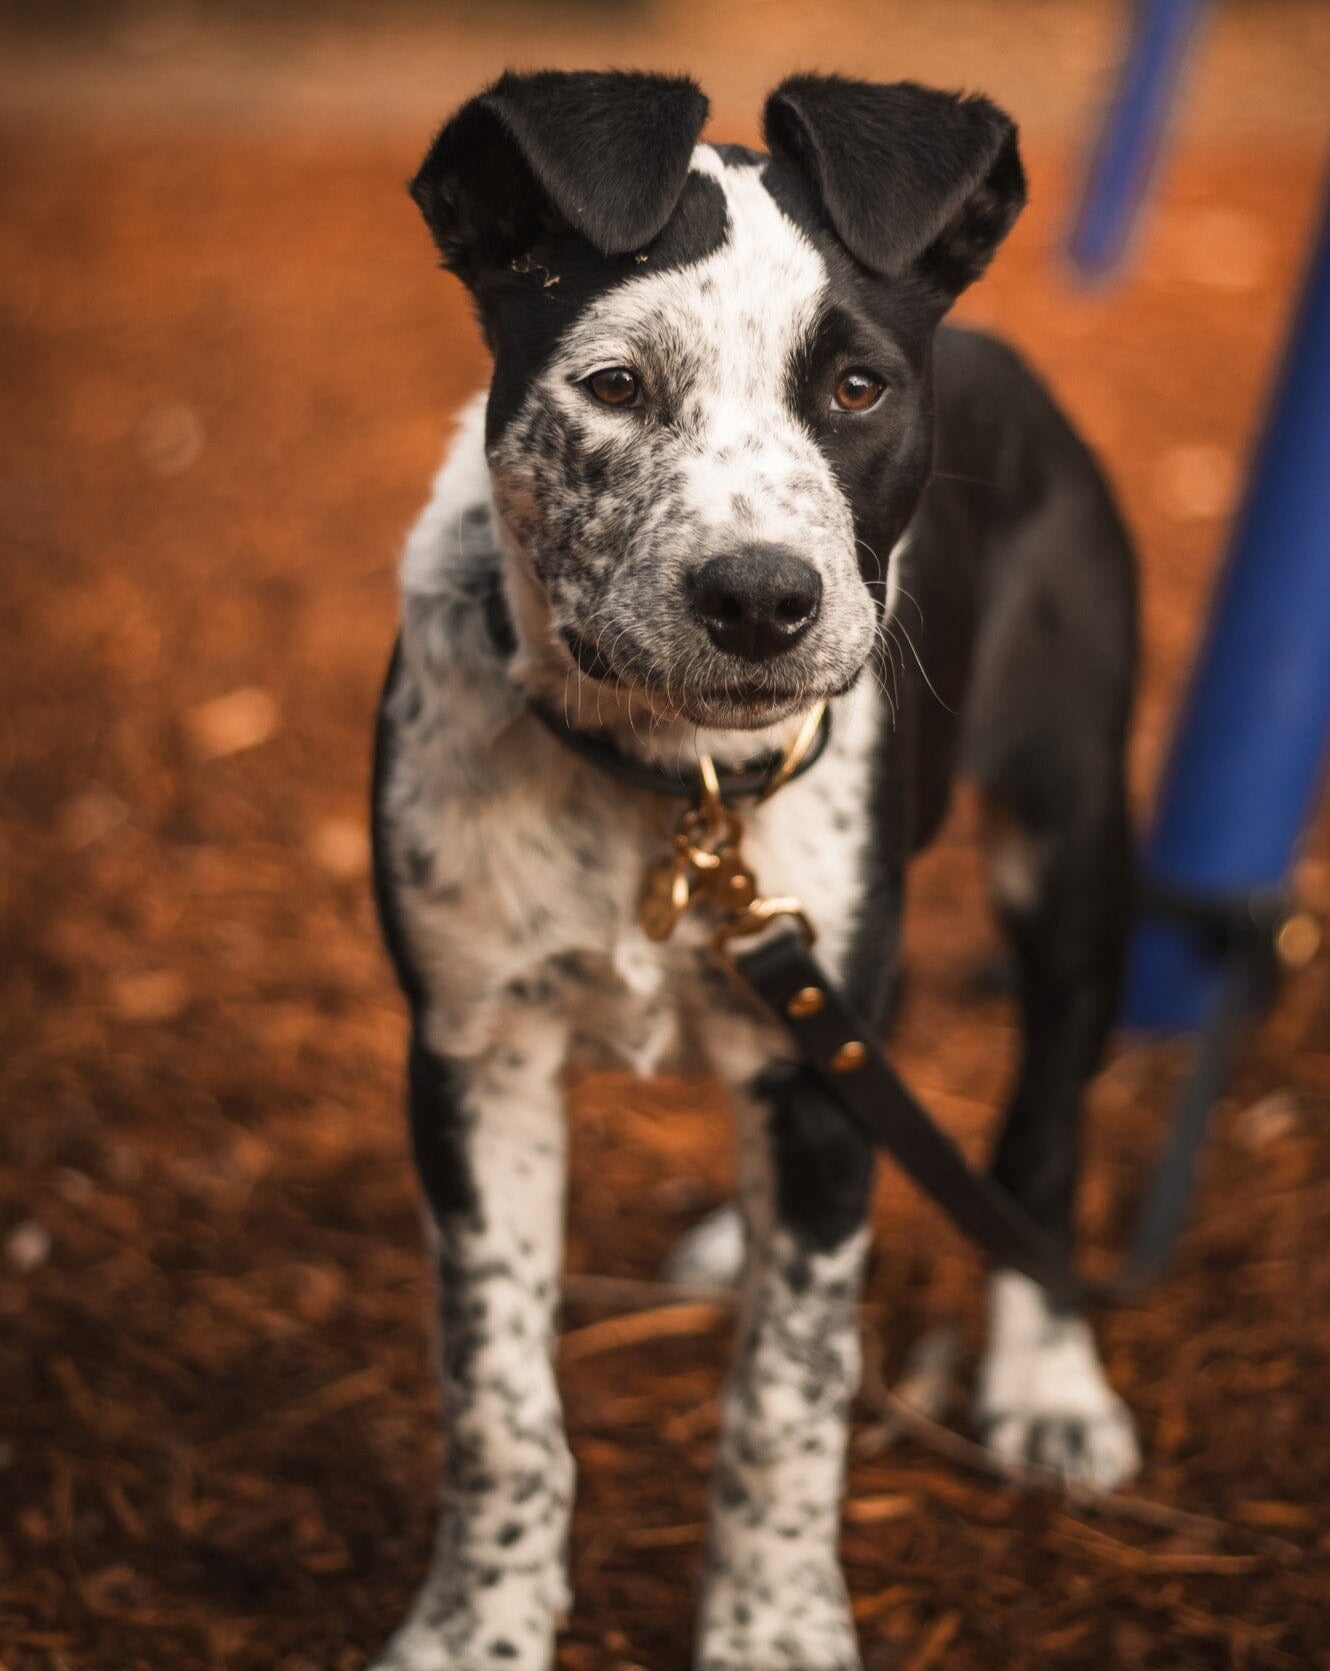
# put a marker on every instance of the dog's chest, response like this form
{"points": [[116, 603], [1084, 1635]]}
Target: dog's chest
{"points": [[526, 895]]}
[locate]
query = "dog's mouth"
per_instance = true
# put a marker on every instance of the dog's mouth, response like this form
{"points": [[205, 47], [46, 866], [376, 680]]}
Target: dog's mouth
{"points": [[744, 703]]}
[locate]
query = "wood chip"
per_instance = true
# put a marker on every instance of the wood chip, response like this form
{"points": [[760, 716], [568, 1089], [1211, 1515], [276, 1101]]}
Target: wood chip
{"points": [[241, 719], [341, 846], [27, 1247], [153, 995], [872, 1511]]}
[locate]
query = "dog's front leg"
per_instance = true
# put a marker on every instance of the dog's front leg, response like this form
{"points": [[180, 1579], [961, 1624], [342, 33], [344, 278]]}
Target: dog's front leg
{"points": [[774, 1594], [489, 1137]]}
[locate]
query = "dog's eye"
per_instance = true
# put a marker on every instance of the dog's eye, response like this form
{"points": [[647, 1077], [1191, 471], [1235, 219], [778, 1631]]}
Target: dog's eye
{"points": [[616, 386], [858, 391]]}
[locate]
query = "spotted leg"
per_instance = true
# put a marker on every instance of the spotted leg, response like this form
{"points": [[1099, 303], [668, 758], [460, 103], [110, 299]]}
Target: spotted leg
{"points": [[489, 1137], [774, 1596]]}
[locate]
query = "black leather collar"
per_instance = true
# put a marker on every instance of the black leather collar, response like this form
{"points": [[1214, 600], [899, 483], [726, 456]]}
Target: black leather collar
{"points": [[749, 781]]}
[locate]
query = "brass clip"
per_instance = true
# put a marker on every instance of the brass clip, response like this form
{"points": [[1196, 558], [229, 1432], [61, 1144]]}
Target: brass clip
{"points": [[706, 863], [760, 915]]}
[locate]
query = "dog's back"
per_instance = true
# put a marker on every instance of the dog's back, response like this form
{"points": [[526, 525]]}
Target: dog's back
{"points": [[1019, 592]]}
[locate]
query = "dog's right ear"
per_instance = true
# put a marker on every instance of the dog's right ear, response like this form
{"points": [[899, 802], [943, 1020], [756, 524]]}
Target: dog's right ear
{"points": [[912, 180], [605, 153]]}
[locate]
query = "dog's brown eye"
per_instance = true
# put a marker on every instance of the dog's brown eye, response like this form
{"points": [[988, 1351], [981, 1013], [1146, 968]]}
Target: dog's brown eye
{"points": [[857, 391], [616, 386]]}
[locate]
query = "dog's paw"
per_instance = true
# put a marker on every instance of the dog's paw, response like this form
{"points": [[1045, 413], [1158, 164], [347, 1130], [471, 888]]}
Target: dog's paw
{"points": [[753, 1621], [1042, 1395], [1091, 1448], [414, 1650], [478, 1619], [711, 1255]]}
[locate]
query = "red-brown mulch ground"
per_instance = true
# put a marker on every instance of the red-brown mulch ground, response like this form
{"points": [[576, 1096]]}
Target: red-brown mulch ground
{"points": [[229, 366]]}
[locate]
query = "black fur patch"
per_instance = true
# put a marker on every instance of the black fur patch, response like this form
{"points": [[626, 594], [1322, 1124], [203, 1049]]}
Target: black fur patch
{"points": [[601, 154], [528, 306], [438, 1132], [824, 1166]]}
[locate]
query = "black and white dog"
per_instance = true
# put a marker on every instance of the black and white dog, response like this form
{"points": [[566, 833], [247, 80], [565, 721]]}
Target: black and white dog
{"points": [[725, 458]]}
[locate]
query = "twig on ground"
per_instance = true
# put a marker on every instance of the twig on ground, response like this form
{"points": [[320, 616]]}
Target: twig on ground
{"points": [[631, 1328], [925, 1385], [935, 1644]]}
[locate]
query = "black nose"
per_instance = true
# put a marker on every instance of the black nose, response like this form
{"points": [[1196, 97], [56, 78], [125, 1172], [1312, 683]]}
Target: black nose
{"points": [[757, 601]]}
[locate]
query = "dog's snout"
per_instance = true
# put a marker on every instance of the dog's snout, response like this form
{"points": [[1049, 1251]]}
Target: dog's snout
{"points": [[758, 601]]}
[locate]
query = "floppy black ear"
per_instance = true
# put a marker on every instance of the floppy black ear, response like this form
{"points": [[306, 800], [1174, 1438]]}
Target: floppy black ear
{"points": [[603, 153], [910, 178]]}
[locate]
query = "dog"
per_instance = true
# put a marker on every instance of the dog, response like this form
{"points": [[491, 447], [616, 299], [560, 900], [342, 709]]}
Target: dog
{"points": [[730, 465]]}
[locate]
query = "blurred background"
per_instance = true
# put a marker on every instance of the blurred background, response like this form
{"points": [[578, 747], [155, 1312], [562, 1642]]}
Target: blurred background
{"points": [[229, 364]]}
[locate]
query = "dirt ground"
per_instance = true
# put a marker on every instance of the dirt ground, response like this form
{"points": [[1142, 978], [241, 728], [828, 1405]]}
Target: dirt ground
{"points": [[229, 363]]}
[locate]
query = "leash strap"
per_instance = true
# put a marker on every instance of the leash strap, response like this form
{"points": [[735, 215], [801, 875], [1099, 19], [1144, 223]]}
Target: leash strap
{"points": [[704, 864], [839, 1048]]}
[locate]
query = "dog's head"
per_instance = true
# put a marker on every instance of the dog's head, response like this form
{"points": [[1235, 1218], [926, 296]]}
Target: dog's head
{"points": [[709, 421]]}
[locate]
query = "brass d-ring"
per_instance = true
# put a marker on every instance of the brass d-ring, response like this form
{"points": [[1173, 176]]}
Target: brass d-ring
{"points": [[798, 747], [709, 803]]}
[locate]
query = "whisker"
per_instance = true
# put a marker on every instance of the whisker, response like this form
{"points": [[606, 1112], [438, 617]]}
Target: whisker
{"points": [[919, 664], [951, 476]]}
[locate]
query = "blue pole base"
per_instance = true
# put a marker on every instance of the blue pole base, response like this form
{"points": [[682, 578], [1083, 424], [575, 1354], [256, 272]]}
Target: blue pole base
{"points": [[1172, 981], [1187, 946]]}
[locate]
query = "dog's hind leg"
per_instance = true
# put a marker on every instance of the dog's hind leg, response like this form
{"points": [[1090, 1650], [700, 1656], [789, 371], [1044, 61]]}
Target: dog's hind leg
{"points": [[1063, 893], [1046, 726], [774, 1597], [1061, 868], [489, 1137]]}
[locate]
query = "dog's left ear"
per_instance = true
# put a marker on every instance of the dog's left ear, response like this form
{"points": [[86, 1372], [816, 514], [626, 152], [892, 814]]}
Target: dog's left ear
{"points": [[911, 179]]}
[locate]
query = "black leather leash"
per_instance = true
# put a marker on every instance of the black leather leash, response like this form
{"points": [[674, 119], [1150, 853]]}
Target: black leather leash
{"points": [[836, 1045], [1245, 935]]}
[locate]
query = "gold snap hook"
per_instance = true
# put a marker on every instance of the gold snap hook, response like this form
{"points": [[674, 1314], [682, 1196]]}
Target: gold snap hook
{"points": [[707, 863]]}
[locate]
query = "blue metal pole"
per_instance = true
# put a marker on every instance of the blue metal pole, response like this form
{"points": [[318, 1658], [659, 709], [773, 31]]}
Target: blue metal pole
{"points": [[1129, 140], [1250, 750]]}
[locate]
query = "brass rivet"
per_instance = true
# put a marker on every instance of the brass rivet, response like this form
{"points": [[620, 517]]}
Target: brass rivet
{"points": [[808, 1000], [1297, 940], [850, 1056]]}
